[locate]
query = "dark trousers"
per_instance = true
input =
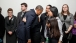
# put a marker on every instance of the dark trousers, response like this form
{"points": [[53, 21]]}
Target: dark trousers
{"points": [[65, 40], [36, 37], [1, 41], [73, 40], [53, 40], [21, 41]]}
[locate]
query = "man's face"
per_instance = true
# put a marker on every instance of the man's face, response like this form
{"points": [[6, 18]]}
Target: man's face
{"points": [[39, 11], [23, 8], [47, 8]]}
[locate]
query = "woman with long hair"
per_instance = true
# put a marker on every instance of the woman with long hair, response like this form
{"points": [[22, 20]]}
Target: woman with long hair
{"points": [[67, 19], [54, 33], [53, 27]]}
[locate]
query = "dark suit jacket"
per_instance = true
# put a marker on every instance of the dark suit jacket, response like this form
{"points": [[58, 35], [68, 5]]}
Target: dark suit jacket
{"points": [[43, 20], [20, 32], [32, 23], [2, 26], [10, 26], [19, 18]]}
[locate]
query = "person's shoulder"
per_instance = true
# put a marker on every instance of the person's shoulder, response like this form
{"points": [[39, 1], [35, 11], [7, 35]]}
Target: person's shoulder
{"points": [[6, 17], [14, 16], [1, 15], [43, 14], [58, 19], [59, 14], [71, 14], [19, 12], [30, 12]]}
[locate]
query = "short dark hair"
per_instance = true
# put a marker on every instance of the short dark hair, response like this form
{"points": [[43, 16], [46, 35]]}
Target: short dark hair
{"points": [[10, 9], [0, 10], [25, 4], [39, 7], [49, 5]]}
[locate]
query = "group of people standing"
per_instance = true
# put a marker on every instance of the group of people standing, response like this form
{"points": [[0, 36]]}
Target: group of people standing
{"points": [[28, 27]]}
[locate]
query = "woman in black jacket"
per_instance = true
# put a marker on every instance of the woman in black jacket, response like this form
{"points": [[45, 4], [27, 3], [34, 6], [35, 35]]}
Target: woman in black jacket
{"points": [[10, 25], [2, 26]]}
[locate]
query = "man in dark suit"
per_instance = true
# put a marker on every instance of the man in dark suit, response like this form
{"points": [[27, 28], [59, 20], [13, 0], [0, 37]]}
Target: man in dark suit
{"points": [[2, 26], [21, 23], [32, 26], [43, 20], [21, 14]]}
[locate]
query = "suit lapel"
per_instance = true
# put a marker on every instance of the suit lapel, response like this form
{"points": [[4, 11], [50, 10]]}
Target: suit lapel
{"points": [[8, 20], [20, 14], [61, 17], [12, 20], [20, 18]]}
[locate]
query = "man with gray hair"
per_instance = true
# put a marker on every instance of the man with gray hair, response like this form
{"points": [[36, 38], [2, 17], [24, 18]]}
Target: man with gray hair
{"points": [[31, 30]]}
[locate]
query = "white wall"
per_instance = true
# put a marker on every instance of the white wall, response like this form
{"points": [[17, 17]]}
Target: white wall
{"points": [[15, 4]]}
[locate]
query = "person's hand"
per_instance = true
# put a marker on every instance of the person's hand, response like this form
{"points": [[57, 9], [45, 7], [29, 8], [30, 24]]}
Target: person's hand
{"points": [[10, 32], [59, 42], [29, 41], [24, 19], [42, 42], [66, 32]]}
